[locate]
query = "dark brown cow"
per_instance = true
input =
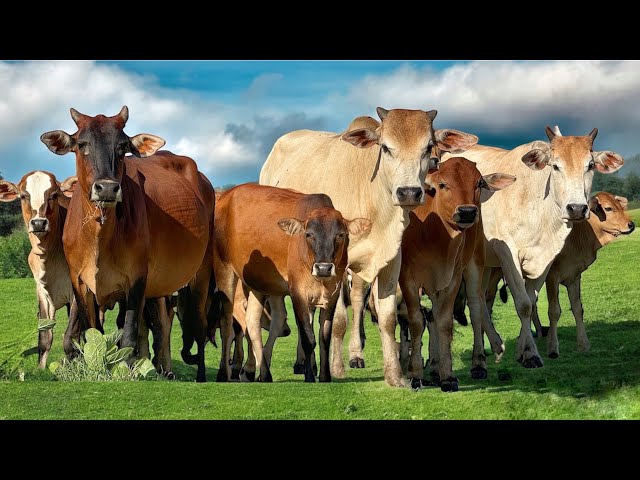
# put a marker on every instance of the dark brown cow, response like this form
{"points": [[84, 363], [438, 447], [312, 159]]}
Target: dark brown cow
{"points": [[44, 210], [443, 243], [251, 243], [136, 227]]}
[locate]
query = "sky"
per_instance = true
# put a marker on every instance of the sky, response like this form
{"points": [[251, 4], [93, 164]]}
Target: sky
{"points": [[226, 115]]}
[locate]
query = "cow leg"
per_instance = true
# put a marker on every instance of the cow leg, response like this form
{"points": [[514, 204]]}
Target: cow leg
{"points": [[337, 336], [554, 314], [238, 355], [278, 317], [415, 323], [135, 306], [46, 310], [149, 311], [472, 275], [298, 367], [199, 288], [255, 304], [534, 314], [385, 299], [324, 334], [494, 274], [404, 348], [251, 363], [356, 340], [161, 329], [78, 319], [443, 303], [527, 353], [304, 318], [573, 289]]}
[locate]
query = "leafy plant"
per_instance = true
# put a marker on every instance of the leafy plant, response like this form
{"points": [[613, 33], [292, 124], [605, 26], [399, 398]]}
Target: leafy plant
{"points": [[10, 350], [100, 359]]}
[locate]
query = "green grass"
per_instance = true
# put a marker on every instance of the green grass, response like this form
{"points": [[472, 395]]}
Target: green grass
{"points": [[603, 383]]}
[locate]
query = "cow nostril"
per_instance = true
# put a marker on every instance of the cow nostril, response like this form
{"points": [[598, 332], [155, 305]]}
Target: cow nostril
{"points": [[97, 187], [116, 189]]}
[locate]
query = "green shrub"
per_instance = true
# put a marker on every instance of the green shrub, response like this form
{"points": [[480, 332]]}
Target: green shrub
{"points": [[101, 360], [14, 253], [9, 351]]}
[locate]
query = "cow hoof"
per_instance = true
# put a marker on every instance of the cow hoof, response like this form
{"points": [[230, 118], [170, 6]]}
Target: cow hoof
{"points": [[478, 373], [449, 385], [533, 362], [545, 331], [250, 376], [325, 379], [266, 378], [310, 379], [554, 355], [201, 378], [235, 374], [416, 383], [298, 369], [461, 319], [356, 363], [169, 375], [222, 376], [432, 381]]}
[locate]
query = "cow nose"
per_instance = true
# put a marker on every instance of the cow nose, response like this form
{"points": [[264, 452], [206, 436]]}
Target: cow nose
{"points": [[409, 195], [466, 214], [632, 226], [577, 211], [322, 269], [39, 225], [106, 191]]}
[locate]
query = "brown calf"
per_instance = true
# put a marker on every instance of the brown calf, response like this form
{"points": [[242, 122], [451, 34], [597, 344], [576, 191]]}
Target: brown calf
{"points": [[443, 243], [44, 210], [136, 227], [252, 244]]}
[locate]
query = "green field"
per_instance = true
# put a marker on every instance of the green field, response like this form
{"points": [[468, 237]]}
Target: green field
{"points": [[602, 383]]}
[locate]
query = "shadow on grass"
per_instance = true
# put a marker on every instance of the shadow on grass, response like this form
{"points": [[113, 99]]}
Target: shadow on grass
{"points": [[612, 362]]}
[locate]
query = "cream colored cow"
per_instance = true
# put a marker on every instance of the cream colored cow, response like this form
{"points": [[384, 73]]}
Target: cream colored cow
{"points": [[527, 224], [376, 174]]}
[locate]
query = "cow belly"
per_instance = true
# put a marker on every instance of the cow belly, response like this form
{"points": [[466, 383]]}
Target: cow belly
{"points": [[265, 280]]}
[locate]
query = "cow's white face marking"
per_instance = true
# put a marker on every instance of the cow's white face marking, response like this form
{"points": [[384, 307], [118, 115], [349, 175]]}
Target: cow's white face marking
{"points": [[37, 184]]}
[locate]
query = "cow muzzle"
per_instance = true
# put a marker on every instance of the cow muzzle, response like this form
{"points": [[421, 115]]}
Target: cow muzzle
{"points": [[465, 216], [106, 192], [39, 226], [632, 227], [577, 212], [323, 270], [409, 196]]}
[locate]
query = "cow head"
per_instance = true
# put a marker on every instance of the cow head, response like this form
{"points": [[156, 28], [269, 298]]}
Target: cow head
{"points": [[456, 187], [326, 236], [572, 161], [39, 193], [610, 212], [409, 148], [100, 145]]}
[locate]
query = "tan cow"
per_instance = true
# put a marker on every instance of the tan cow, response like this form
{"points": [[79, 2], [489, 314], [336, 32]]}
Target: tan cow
{"points": [[375, 174], [44, 210], [526, 225]]}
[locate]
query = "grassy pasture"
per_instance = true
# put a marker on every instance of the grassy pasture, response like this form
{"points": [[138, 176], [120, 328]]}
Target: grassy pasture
{"points": [[603, 383]]}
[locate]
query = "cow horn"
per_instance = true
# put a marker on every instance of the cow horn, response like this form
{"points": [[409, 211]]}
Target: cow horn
{"points": [[124, 114], [593, 134], [556, 130], [382, 112], [76, 116]]}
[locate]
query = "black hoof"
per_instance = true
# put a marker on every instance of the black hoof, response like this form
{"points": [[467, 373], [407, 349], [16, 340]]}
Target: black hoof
{"points": [[356, 363], [309, 379], [545, 331], [298, 369], [222, 376], [266, 378], [251, 376], [478, 373], [432, 381], [504, 376], [533, 362], [235, 374], [461, 319], [416, 383], [326, 379], [553, 355], [449, 385], [201, 378]]}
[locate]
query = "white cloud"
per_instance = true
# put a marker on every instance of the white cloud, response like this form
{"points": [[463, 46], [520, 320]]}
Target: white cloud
{"points": [[511, 95]]}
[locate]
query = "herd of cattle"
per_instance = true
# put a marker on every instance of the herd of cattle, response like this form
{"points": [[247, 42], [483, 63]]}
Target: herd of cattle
{"points": [[388, 208]]}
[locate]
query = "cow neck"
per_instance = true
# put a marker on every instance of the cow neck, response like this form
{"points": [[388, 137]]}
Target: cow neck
{"points": [[438, 232], [592, 232]]}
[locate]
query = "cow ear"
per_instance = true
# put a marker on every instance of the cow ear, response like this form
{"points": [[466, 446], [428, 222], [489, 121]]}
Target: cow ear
{"points": [[8, 191], [68, 186], [361, 138], [622, 201], [454, 141], [58, 142], [144, 145], [607, 162], [358, 226], [291, 226], [536, 159], [594, 203], [496, 181]]}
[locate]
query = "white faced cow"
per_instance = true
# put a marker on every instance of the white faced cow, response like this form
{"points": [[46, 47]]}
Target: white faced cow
{"points": [[526, 225]]}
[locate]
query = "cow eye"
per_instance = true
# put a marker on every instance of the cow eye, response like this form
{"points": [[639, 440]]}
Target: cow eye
{"points": [[24, 196], [608, 209], [82, 145], [592, 165], [53, 196], [309, 235], [442, 185], [341, 236], [385, 149], [556, 168]]}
